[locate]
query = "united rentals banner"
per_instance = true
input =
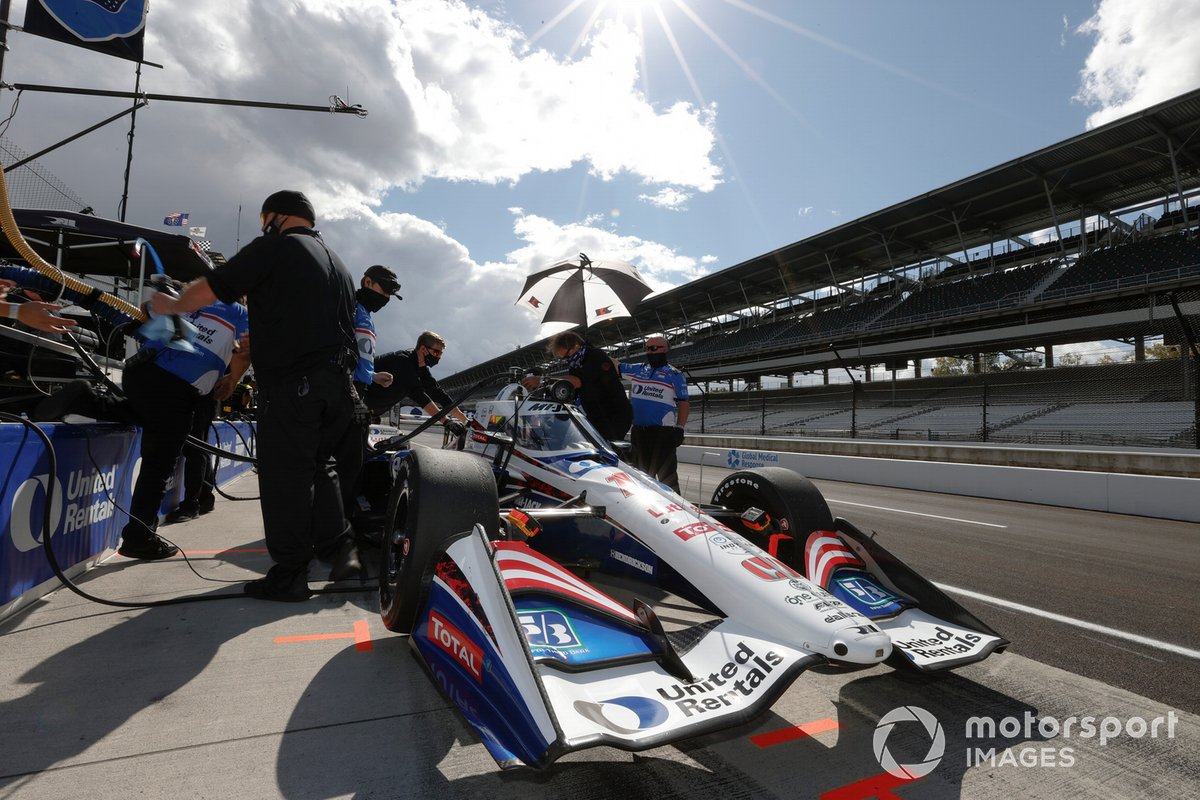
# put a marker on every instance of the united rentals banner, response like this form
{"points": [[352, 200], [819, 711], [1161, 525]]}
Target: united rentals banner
{"points": [[114, 27]]}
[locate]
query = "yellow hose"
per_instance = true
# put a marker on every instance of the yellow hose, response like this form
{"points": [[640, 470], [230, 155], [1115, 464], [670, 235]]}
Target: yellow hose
{"points": [[13, 233]]}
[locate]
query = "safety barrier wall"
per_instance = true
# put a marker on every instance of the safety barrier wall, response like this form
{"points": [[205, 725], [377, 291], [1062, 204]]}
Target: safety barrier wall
{"points": [[96, 467], [1166, 497]]}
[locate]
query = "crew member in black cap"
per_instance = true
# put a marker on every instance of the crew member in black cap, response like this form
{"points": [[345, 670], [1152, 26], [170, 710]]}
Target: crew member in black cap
{"points": [[378, 285], [301, 301]]}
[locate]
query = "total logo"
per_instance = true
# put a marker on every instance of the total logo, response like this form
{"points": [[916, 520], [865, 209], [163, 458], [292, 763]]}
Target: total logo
{"points": [[457, 644], [933, 729], [624, 715]]}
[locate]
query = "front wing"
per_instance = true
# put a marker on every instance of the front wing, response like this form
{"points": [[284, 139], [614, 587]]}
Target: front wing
{"points": [[540, 663]]}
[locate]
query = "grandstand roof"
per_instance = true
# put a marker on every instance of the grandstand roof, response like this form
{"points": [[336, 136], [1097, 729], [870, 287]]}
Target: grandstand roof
{"points": [[1133, 161], [1116, 166]]}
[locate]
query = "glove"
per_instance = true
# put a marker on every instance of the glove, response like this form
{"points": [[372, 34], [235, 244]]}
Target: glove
{"points": [[677, 439], [456, 428]]}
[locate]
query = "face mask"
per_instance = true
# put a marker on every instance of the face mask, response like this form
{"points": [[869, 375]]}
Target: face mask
{"points": [[371, 300], [656, 360], [431, 360]]}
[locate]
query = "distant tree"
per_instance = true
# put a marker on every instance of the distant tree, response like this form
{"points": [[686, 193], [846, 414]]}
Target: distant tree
{"points": [[951, 365], [1069, 360], [1162, 352]]}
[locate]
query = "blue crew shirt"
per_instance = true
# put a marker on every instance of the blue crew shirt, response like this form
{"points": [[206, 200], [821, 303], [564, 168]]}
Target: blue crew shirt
{"points": [[364, 335], [218, 327], [654, 391]]}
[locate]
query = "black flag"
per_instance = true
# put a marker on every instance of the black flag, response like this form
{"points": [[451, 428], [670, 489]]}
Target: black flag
{"points": [[115, 27]]}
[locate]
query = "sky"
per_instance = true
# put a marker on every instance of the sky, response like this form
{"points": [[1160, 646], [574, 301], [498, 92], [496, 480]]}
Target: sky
{"points": [[682, 136]]}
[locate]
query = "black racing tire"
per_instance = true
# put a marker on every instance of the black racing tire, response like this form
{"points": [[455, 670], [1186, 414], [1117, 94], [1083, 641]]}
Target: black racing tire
{"points": [[437, 495], [795, 505]]}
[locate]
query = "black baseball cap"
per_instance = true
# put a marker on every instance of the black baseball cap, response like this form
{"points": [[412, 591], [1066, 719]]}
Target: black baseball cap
{"points": [[385, 278], [290, 203]]}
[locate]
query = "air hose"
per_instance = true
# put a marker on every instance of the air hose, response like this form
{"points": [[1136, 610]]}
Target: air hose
{"points": [[63, 283]]}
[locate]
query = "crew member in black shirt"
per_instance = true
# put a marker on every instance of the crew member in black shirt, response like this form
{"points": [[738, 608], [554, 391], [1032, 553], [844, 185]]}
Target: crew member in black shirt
{"points": [[301, 301], [412, 379], [598, 380]]}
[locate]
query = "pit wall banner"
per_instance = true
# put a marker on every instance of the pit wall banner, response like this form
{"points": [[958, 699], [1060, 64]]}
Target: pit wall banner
{"points": [[97, 465]]}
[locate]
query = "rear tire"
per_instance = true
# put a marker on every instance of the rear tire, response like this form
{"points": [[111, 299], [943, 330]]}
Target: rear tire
{"points": [[795, 505], [437, 495]]}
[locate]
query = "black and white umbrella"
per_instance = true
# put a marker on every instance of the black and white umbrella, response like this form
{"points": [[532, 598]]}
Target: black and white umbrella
{"points": [[583, 292]]}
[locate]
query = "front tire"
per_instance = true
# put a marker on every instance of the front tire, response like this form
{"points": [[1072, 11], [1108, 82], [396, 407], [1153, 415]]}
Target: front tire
{"points": [[437, 495], [795, 507]]}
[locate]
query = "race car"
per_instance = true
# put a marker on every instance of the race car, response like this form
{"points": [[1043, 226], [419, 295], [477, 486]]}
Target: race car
{"points": [[526, 566]]}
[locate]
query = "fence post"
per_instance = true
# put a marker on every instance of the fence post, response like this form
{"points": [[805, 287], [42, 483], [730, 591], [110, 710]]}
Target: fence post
{"points": [[854, 410], [985, 402]]}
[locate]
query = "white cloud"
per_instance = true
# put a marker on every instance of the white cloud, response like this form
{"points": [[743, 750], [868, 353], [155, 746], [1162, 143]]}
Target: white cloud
{"points": [[1144, 53], [471, 303], [668, 197], [804, 212], [453, 94]]}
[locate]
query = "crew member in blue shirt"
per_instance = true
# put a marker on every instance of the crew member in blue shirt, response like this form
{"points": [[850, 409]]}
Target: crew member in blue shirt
{"points": [[378, 285], [659, 395], [163, 387]]}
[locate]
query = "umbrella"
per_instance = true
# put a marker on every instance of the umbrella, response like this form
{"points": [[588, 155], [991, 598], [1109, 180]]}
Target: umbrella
{"points": [[583, 292]]}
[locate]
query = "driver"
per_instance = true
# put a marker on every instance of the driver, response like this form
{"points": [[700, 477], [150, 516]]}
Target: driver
{"points": [[541, 430], [522, 388]]}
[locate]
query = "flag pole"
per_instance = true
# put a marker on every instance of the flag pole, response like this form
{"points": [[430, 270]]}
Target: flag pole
{"points": [[137, 85], [5, 7]]}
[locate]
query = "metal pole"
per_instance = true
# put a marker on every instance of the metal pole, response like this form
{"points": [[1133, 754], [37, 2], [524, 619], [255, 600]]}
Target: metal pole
{"points": [[336, 107], [70, 139], [137, 85], [5, 6]]}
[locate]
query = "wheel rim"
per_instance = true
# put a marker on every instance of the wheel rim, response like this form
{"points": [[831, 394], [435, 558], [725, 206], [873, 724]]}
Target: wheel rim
{"points": [[396, 547]]}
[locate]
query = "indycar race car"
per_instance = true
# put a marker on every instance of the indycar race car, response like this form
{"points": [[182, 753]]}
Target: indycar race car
{"points": [[525, 564]]}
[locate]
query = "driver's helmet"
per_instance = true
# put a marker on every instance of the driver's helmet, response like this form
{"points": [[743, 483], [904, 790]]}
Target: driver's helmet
{"points": [[545, 430]]}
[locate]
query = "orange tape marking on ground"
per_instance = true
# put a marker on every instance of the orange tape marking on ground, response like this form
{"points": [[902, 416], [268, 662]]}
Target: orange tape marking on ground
{"points": [[795, 732], [361, 636], [877, 786]]}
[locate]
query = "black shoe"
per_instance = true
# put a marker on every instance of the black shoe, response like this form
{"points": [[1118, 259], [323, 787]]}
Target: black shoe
{"points": [[345, 563], [77, 397], [153, 549], [283, 584], [207, 504], [180, 515]]}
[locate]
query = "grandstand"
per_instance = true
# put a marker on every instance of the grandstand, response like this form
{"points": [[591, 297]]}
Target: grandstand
{"points": [[1096, 238]]}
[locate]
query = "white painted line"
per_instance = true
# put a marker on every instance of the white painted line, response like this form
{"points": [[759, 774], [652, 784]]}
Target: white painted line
{"points": [[1118, 647], [915, 513], [1180, 650]]}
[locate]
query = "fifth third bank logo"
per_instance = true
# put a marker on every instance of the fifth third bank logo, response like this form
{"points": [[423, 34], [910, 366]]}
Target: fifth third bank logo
{"points": [[933, 728]]}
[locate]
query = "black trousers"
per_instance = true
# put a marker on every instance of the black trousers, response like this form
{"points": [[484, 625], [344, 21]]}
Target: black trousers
{"points": [[164, 405], [654, 452], [349, 459], [302, 421], [198, 471]]}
